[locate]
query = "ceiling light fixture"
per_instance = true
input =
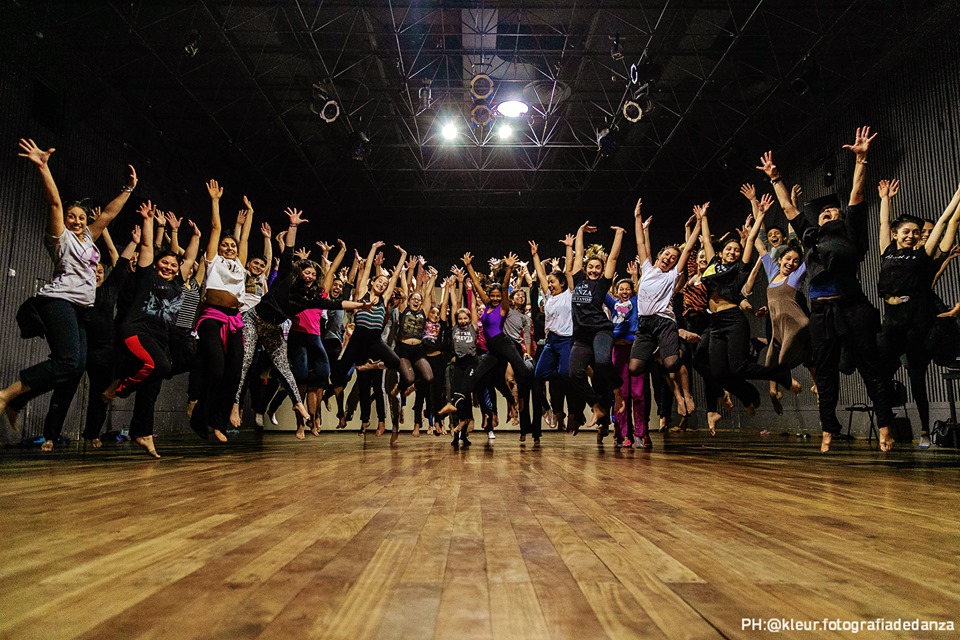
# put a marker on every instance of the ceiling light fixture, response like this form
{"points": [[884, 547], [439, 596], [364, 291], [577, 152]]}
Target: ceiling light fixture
{"points": [[608, 140], [616, 47], [632, 111], [504, 131], [449, 131], [359, 145], [512, 108], [481, 86], [481, 115]]}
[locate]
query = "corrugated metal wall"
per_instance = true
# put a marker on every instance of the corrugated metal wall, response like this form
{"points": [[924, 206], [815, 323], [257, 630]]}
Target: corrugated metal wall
{"points": [[913, 104]]}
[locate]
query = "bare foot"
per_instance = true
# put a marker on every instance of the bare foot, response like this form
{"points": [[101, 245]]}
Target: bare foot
{"points": [[190, 405], [147, 443], [886, 442], [795, 386], [220, 436], [726, 401], [235, 416], [598, 412], [825, 440], [96, 443], [47, 446], [394, 436], [409, 390], [690, 404], [713, 419], [302, 412], [416, 431], [363, 428], [315, 427], [814, 389], [775, 401], [342, 423], [447, 409], [381, 428]]}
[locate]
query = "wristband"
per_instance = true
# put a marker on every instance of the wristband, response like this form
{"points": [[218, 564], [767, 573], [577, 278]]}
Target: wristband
{"points": [[126, 189], [776, 179], [861, 161]]}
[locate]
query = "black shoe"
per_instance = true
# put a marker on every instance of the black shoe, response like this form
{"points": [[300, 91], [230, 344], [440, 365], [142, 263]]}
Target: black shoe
{"points": [[465, 443], [456, 443]]}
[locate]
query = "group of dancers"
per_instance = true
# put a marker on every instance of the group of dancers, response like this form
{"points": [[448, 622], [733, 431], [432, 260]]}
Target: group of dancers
{"points": [[586, 341]]}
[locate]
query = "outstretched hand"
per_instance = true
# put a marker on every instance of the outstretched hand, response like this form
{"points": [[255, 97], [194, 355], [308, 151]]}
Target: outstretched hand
{"points": [[214, 189], [766, 201], [749, 192], [296, 216], [861, 143], [568, 240], [586, 227], [265, 229], [888, 188], [35, 154], [636, 210], [766, 164], [534, 247], [700, 210], [146, 210], [173, 220], [193, 225], [467, 259], [510, 260], [302, 254], [135, 234]]}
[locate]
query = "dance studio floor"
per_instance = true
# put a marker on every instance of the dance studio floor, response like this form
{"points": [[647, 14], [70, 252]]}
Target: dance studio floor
{"points": [[342, 537]]}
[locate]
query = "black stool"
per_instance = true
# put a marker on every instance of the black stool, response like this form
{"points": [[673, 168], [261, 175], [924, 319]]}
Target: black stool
{"points": [[861, 408]]}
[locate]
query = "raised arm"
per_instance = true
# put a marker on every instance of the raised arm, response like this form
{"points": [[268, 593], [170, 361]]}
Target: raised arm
{"points": [[610, 269], [448, 284], [216, 192], [114, 206], [954, 253], [131, 249], [147, 212], [537, 265], [296, 219], [762, 207], [363, 283], [244, 242], [396, 273], [190, 253], [783, 197], [950, 218], [111, 248], [751, 280], [174, 223], [267, 245], [331, 273], [860, 146], [701, 212], [578, 246], [643, 250], [508, 263], [477, 287], [886, 190], [41, 158], [568, 242], [687, 248]]}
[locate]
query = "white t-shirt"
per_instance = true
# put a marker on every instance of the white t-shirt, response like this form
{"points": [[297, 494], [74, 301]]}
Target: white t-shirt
{"points": [[558, 312], [75, 268], [226, 275], [655, 292]]}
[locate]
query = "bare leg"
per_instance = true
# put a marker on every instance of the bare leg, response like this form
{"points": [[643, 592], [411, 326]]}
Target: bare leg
{"points": [[713, 418]]}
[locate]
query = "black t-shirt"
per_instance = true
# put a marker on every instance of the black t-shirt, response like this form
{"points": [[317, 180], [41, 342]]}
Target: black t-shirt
{"points": [[288, 296], [726, 280], [588, 297], [834, 251], [905, 272], [411, 324], [100, 326], [156, 303]]}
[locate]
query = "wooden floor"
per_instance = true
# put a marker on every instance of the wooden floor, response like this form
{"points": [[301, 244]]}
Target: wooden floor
{"points": [[342, 537]]}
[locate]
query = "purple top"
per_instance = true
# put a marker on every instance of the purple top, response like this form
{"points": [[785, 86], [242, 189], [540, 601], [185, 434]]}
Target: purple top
{"points": [[773, 269], [492, 322]]}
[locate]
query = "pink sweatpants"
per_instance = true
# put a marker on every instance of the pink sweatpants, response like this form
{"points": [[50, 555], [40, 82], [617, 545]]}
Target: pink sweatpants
{"points": [[632, 392]]}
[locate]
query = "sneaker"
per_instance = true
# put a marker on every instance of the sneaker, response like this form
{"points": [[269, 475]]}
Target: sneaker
{"points": [[924, 442], [273, 419], [628, 443], [491, 435], [464, 442], [647, 442], [258, 420]]}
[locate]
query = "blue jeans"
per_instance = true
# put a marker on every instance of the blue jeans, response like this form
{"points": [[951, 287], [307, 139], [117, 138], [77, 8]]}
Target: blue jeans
{"points": [[554, 358]]}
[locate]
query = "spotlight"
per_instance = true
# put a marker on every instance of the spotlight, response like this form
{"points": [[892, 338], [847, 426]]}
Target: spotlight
{"points": [[481, 86], [359, 145], [449, 131], [512, 108], [425, 94], [481, 115], [504, 131], [632, 111], [192, 47], [329, 111], [616, 48], [608, 140]]}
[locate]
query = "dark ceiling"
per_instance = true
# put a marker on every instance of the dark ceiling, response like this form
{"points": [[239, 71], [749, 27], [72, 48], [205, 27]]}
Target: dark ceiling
{"points": [[719, 80]]}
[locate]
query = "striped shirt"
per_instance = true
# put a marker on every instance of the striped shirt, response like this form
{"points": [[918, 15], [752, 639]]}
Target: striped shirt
{"points": [[373, 318]]}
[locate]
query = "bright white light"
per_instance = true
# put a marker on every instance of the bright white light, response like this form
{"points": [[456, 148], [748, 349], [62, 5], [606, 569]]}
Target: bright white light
{"points": [[449, 131], [504, 131], [512, 108]]}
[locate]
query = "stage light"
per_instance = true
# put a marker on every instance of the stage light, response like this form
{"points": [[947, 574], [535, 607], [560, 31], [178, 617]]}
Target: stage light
{"points": [[359, 145], [192, 48], [449, 131], [616, 48], [504, 131], [632, 111], [481, 86], [608, 140], [481, 115], [512, 108], [425, 94], [328, 112]]}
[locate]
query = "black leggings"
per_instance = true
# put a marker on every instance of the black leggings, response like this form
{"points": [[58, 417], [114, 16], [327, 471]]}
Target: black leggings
{"points": [[100, 367], [219, 369], [905, 331], [370, 383], [365, 344], [501, 350], [594, 349]]}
